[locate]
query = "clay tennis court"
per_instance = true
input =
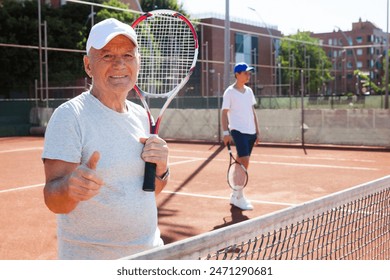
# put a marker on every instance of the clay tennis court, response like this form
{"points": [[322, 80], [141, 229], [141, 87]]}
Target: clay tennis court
{"points": [[196, 200]]}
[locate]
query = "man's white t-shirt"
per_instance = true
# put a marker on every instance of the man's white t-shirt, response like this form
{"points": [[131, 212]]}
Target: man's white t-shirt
{"points": [[122, 219], [240, 106]]}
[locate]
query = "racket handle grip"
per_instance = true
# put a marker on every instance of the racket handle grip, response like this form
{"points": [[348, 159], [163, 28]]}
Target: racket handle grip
{"points": [[150, 176]]}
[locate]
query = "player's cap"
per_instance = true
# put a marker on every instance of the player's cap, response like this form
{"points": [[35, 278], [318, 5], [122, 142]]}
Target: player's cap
{"points": [[104, 31], [242, 67]]}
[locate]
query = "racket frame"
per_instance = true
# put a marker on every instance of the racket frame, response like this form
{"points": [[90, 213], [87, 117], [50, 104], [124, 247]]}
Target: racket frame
{"points": [[232, 162], [150, 168]]}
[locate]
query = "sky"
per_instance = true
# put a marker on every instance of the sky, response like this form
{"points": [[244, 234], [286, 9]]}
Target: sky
{"points": [[319, 16]]}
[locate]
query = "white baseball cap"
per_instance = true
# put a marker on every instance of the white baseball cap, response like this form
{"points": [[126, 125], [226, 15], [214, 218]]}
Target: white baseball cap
{"points": [[104, 31]]}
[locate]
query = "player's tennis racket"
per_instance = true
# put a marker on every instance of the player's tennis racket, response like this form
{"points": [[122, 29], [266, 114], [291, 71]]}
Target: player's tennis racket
{"points": [[168, 45], [237, 175]]}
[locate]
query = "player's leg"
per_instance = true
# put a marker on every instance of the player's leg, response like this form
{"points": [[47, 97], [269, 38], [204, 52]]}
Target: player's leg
{"points": [[244, 161], [242, 142]]}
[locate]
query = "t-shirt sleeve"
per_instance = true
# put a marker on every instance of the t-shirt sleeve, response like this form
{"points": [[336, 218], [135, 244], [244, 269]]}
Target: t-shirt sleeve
{"points": [[226, 100], [62, 136]]}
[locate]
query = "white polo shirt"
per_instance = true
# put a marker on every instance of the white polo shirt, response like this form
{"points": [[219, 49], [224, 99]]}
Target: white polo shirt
{"points": [[240, 106]]}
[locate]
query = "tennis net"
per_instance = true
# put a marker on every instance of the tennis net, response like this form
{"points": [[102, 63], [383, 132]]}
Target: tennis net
{"points": [[349, 225]]}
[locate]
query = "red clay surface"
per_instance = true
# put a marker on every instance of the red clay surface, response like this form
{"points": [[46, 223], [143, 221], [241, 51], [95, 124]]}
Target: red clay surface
{"points": [[195, 201]]}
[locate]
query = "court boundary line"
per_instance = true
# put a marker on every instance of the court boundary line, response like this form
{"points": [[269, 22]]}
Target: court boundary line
{"points": [[167, 192], [21, 150], [194, 159], [226, 198], [21, 188]]}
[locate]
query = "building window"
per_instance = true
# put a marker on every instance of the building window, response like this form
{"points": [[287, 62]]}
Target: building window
{"points": [[239, 43], [359, 40], [246, 48], [359, 52]]}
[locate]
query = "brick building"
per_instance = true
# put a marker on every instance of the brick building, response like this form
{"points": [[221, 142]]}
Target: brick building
{"points": [[363, 48], [249, 42]]}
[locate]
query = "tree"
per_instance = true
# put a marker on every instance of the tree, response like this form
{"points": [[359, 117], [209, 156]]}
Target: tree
{"points": [[18, 25], [150, 5], [67, 29], [20, 63], [368, 84], [300, 55], [111, 13]]}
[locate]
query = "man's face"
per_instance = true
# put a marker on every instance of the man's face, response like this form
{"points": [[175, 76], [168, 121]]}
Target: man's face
{"points": [[243, 77], [114, 68]]}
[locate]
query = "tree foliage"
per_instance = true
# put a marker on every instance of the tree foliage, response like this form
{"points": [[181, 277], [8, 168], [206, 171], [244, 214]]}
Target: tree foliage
{"points": [[300, 55], [18, 25], [368, 86], [150, 5], [118, 14], [19, 28], [67, 28]]}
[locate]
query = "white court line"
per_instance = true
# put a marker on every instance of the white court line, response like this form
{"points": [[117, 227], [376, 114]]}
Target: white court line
{"points": [[165, 191], [315, 165], [226, 198], [21, 150], [192, 159], [260, 154], [317, 158], [187, 151], [185, 161], [22, 188], [198, 159]]}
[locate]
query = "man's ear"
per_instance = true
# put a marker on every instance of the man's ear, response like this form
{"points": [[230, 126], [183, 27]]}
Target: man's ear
{"points": [[87, 66]]}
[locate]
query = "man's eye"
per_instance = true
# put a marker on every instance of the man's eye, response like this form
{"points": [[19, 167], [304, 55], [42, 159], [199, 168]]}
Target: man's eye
{"points": [[108, 57], [129, 55]]}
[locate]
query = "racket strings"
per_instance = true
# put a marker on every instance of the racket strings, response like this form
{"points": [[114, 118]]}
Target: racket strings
{"points": [[167, 48], [237, 176]]}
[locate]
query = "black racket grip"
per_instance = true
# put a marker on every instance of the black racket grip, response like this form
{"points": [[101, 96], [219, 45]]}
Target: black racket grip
{"points": [[150, 177]]}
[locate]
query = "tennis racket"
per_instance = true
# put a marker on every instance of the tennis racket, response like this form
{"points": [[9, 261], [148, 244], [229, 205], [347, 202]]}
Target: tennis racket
{"points": [[168, 45], [237, 175]]}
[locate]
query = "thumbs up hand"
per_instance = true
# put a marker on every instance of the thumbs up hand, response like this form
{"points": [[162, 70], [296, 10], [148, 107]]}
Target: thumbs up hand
{"points": [[93, 160], [84, 183]]}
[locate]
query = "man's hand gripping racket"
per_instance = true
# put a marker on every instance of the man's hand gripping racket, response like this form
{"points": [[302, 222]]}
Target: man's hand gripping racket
{"points": [[237, 175], [168, 45]]}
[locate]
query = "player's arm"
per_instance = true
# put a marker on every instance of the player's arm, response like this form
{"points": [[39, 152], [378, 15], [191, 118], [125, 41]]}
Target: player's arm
{"points": [[225, 126], [256, 125], [69, 183], [161, 180]]}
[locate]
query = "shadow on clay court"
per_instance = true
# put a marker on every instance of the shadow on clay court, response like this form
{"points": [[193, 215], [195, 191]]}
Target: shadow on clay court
{"points": [[236, 217], [182, 230], [193, 175]]}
